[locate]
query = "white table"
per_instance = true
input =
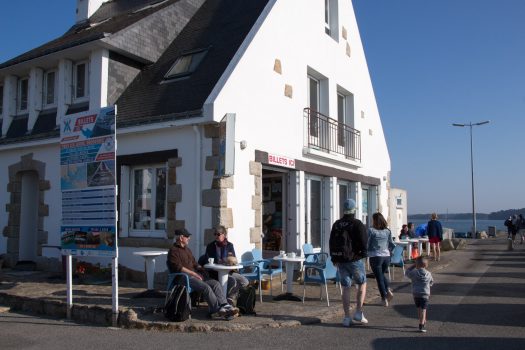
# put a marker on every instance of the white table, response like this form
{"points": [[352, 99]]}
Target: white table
{"points": [[409, 243], [149, 256], [421, 240], [223, 271], [289, 261], [406, 244]]}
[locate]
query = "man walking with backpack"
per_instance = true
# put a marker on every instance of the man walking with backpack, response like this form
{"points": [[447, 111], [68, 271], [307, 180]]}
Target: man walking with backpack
{"points": [[348, 248]]}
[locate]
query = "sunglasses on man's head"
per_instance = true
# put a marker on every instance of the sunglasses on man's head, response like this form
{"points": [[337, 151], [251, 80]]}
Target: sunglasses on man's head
{"points": [[219, 233]]}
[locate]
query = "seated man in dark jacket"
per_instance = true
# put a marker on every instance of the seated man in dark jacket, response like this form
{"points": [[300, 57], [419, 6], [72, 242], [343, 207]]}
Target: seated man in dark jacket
{"points": [[180, 259], [220, 250]]}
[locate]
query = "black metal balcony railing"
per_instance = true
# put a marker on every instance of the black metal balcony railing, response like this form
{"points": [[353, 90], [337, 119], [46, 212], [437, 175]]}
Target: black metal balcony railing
{"points": [[331, 136]]}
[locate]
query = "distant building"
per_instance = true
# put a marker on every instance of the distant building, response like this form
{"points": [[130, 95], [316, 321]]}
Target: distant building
{"points": [[398, 210], [258, 115]]}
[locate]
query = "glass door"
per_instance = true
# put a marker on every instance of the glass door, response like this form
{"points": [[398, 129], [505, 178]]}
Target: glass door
{"points": [[314, 200]]}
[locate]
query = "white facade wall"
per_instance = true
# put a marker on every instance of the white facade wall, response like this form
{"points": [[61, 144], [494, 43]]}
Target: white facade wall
{"points": [[398, 210], [274, 123]]}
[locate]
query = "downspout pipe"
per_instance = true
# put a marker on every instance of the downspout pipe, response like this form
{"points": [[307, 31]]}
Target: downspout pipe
{"points": [[198, 189]]}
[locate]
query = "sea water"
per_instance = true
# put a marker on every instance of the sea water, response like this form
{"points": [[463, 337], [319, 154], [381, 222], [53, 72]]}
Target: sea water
{"points": [[466, 225]]}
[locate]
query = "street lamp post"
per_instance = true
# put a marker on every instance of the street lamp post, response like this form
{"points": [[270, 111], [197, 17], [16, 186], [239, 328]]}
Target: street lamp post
{"points": [[470, 125]]}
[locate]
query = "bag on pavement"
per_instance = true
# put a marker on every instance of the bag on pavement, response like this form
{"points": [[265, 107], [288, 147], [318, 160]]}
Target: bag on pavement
{"points": [[178, 307], [246, 300]]}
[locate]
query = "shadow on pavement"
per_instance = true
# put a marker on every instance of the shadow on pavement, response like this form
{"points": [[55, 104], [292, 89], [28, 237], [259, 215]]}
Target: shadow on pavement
{"points": [[493, 314], [423, 341]]}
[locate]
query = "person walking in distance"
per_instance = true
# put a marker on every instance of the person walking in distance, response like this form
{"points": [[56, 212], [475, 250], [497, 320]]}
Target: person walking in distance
{"points": [[380, 242], [435, 235], [348, 241], [421, 282]]}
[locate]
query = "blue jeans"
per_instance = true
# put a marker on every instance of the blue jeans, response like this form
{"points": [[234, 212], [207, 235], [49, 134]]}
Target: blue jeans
{"points": [[379, 265], [211, 291], [352, 272]]}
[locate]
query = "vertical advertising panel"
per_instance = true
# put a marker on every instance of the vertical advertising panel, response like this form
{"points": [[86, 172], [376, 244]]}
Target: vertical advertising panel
{"points": [[88, 183]]}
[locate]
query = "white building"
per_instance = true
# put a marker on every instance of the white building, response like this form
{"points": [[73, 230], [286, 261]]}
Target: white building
{"points": [[398, 210], [292, 73]]}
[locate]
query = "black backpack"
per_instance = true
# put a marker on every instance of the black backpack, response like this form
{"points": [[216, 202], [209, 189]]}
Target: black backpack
{"points": [[246, 300], [178, 307], [340, 242], [508, 223]]}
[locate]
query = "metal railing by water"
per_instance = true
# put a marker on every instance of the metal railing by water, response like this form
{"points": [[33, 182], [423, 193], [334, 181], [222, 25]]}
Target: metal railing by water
{"points": [[329, 135]]}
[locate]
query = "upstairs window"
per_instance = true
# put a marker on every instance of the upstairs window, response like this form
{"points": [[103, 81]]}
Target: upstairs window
{"points": [[50, 83], [331, 18], [80, 81], [23, 93], [327, 16], [186, 64]]}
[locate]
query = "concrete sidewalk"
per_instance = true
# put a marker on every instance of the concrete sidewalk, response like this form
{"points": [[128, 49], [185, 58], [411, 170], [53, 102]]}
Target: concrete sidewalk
{"points": [[45, 294]]}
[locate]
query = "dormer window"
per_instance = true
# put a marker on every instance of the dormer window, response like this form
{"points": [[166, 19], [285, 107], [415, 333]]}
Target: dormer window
{"points": [[80, 81], [186, 64], [23, 93], [49, 93]]}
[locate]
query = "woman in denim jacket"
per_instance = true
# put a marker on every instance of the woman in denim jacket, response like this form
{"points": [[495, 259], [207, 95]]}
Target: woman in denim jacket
{"points": [[380, 243]]}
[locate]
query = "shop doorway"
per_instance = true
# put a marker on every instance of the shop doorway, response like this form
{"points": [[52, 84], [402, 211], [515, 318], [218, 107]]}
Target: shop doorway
{"points": [[274, 210]]}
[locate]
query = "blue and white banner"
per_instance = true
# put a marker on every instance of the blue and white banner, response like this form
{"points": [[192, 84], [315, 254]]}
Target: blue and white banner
{"points": [[88, 183]]}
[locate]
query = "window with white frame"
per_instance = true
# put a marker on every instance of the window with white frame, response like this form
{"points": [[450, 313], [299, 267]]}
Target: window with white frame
{"points": [[49, 91], [399, 202], [331, 20], [327, 16], [345, 116], [149, 200], [80, 81], [22, 95]]}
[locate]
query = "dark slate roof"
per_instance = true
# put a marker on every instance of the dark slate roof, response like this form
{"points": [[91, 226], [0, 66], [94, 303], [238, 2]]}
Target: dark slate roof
{"points": [[122, 13], [221, 26]]}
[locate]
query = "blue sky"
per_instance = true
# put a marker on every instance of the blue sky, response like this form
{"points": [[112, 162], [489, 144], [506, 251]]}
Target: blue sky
{"points": [[432, 63]]}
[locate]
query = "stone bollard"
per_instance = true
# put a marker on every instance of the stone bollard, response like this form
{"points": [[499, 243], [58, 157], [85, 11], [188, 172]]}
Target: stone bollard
{"points": [[509, 244]]}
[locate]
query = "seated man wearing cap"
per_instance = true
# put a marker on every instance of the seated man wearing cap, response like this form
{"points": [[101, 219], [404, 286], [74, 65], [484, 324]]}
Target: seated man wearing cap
{"points": [[180, 259]]}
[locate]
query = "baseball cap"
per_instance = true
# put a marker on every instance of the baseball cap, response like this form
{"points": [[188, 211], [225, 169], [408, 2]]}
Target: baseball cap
{"points": [[349, 206], [182, 232]]}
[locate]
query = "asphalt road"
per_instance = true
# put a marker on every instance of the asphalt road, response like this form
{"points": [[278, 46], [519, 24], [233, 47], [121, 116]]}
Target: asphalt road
{"points": [[478, 302]]}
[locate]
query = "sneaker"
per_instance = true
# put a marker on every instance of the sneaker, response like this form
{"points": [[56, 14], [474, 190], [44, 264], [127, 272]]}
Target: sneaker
{"points": [[347, 322], [384, 302], [422, 328], [232, 310], [389, 295], [360, 317]]}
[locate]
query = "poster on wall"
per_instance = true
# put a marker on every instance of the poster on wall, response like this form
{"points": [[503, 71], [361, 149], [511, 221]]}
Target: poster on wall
{"points": [[88, 183]]}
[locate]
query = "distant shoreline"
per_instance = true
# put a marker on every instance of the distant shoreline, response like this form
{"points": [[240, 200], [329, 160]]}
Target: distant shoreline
{"points": [[499, 215]]}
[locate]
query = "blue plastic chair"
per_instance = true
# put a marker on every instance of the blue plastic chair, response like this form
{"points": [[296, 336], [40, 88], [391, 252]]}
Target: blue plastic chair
{"points": [[311, 258], [321, 276], [251, 270], [396, 260], [266, 268]]}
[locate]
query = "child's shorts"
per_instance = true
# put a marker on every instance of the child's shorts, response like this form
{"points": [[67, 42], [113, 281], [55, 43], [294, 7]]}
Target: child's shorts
{"points": [[421, 303]]}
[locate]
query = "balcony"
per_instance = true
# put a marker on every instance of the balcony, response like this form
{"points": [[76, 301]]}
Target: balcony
{"points": [[328, 135]]}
